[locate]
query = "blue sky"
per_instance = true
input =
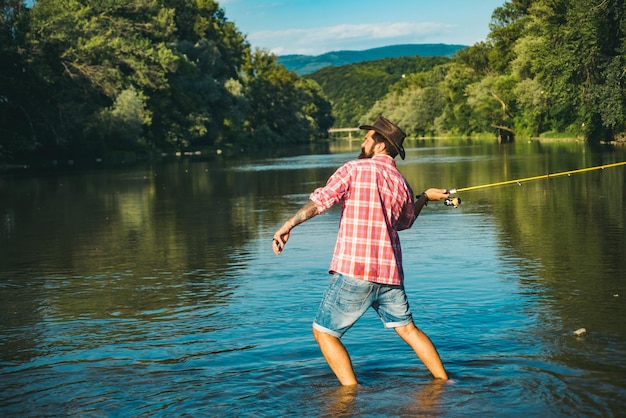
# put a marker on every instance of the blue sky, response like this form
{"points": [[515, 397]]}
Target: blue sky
{"points": [[313, 27]]}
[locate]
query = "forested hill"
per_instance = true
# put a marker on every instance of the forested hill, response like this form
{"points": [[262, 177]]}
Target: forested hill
{"points": [[307, 64], [354, 89], [151, 76], [547, 68]]}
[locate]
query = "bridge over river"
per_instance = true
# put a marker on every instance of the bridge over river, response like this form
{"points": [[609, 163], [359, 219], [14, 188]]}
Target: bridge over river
{"points": [[344, 130]]}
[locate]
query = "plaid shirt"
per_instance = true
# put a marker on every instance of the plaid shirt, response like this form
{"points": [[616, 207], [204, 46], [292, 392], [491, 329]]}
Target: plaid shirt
{"points": [[377, 202]]}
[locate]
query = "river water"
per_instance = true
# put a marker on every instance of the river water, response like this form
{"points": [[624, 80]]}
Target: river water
{"points": [[152, 290]]}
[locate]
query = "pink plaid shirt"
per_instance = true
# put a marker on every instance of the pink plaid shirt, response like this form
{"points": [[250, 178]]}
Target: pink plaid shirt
{"points": [[377, 202]]}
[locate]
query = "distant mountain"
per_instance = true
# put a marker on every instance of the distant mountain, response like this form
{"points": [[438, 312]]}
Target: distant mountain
{"points": [[307, 64]]}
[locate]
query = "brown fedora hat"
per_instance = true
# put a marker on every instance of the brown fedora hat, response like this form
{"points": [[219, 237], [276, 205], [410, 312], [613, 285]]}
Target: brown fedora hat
{"points": [[394, 135]]}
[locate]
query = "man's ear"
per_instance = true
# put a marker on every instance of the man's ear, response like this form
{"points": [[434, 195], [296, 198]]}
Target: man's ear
{"points": [[381, 147]]}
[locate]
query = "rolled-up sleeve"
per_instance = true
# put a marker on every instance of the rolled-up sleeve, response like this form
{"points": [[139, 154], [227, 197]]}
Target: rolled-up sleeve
{"points": [[337, 187]]}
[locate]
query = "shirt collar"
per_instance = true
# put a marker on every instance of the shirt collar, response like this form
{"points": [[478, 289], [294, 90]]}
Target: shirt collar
{"points": [[385, 157]]}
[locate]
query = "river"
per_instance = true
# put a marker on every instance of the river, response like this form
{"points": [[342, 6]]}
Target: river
{"points": [[152, 290]]}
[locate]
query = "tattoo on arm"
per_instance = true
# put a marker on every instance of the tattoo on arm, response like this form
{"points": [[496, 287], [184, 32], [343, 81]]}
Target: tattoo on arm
{"points": [[305, 213]]}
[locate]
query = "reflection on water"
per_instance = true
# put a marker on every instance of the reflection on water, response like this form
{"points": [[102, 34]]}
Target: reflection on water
{"points": [[153, 290]]}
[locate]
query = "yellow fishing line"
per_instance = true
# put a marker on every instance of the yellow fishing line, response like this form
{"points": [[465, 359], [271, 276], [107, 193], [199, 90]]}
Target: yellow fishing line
{"points": [[545, 176]]}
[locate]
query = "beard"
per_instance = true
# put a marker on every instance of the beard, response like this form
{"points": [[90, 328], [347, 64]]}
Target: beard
{"points": [[365, 154]]}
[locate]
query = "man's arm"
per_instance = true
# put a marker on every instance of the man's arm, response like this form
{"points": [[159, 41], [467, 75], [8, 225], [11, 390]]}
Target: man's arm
{"points": [[430, 194], [281, 236]]}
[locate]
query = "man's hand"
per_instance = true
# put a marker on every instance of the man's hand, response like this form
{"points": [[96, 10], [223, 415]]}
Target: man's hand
{"points": [[437, 194], [280, 238], [430, 194]]}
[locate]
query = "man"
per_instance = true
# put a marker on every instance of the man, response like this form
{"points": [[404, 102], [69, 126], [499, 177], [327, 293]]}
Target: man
{"points": [[377, 202]]}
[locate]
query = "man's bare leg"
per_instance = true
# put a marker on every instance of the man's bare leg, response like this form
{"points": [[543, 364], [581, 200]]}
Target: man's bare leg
{"points": [[336, 356], [424, 348]]}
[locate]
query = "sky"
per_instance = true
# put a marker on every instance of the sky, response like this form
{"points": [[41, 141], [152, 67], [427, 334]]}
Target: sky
{"points": [[313, 27]]}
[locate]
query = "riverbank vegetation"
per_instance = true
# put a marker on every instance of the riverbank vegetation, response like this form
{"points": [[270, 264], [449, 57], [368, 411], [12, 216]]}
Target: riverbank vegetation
{"points": [[140, 76], [548, 67], [150, 76]]}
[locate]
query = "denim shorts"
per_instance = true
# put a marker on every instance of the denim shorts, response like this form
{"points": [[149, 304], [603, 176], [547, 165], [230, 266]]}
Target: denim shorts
{"points": [[347, 299]]}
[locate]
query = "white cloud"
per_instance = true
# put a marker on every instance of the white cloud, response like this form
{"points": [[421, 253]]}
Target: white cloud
{"points": [[315, 41]]}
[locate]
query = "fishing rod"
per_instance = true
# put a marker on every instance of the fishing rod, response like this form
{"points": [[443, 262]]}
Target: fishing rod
{"points": [[455, 201]]}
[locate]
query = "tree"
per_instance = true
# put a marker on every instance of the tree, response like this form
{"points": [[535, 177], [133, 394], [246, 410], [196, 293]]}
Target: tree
{"points": [[85, 77], [282, 107], [84, 56], [493, 105], [546, 65], [572, 49], [195, 111], [607, 92], [457, 114], [17, 132], [120, 127], [508, 24]]}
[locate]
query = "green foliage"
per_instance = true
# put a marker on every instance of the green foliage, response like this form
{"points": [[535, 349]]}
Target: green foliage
{"points": [[546, 66], [456, 113], [87, 77], [354, 89], [281, 106], [506, 28], [533, 108], [571, 48], [414, 103], [120, 127], [16, 126], [492, 102]]}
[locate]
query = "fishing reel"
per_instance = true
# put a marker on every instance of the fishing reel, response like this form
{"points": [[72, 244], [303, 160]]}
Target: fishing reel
{"points": [[452, 201]]}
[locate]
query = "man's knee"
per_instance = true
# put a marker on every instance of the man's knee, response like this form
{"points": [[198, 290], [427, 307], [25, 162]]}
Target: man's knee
{"points": [[406, 330]]}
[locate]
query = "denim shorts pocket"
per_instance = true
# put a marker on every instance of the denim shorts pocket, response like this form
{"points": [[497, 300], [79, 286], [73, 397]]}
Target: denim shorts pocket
{"points": [[354, 294]]}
